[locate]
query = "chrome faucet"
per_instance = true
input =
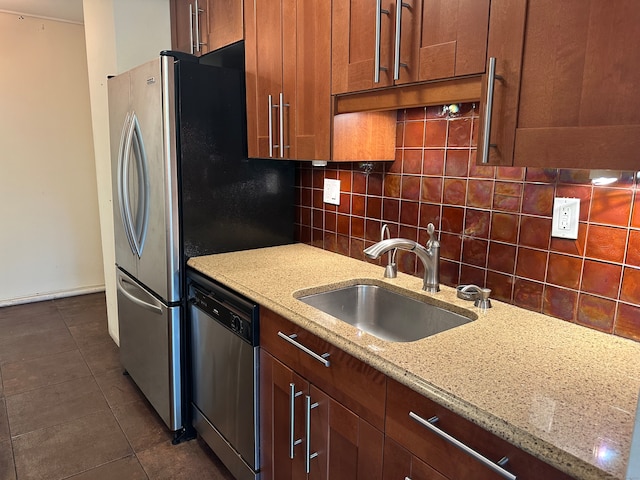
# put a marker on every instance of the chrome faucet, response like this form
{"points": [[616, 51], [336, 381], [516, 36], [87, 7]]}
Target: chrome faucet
{"points": [[391, 270], [430, 256]]}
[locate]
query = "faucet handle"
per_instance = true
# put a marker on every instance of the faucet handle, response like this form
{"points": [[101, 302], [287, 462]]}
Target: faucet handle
{"points": [[433, 241]]}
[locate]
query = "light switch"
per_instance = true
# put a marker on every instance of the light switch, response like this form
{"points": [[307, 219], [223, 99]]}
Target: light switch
{"points": [[331, 193], [566, 216]]}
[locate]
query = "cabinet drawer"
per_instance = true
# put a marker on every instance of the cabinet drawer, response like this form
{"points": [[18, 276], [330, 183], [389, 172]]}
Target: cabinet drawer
{"points": [[441, 454], [351, 382]]}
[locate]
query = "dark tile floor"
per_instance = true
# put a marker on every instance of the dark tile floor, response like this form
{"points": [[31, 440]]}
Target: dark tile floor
{"points": [[66, 410]]}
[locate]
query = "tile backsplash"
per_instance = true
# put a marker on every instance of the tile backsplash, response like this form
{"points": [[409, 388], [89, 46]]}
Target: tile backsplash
{"points": [[494, 223]]}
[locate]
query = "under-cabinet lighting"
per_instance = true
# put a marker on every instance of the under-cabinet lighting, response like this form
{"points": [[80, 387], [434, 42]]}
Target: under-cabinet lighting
{"points": [[604, 177]]}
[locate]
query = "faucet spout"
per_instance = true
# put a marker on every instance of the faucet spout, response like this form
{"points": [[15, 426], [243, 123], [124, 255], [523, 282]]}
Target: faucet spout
{"points": [[429, 255]]}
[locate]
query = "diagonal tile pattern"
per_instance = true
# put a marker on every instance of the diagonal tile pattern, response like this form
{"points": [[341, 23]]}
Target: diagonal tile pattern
{"points": [[66, 410]]}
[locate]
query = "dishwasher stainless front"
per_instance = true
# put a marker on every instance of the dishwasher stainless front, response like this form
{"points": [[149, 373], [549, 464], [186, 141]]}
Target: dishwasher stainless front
{"points": [[224, 374]]}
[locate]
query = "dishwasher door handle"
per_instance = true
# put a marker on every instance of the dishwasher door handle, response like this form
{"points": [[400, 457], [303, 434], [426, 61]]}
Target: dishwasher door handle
{"points": [[291, 339]]}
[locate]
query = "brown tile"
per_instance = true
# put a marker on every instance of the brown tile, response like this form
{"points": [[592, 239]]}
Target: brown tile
{"points": [[435, 133], [628, 321], [509, 189], [392, 186], [450, 246], [572, 247], [433, 163], [476, 223], [14, 326], [531, 264], [54, 404], [346, 179], [128, 468], [7, 468], [633, 249], [576, 176], [436, 111], [345, 203], [635, 216], [544, 175], [406, 262], [630, 286], [432, 189], [606, 243], [70, 448], [317, 218], [48, 370], [318, 177], [474, 251], [359, 183], [372, 230], [409, 213], [25, 347], [416, 113], [342, 246], [452, 219], [317, 199], [4, 422], [449, 272], [407, 231], [504, 227], [396, 166], [538, 199], [474, 275], [480, 193], [595, 312], [611, 206], [459, 133], [81, 304], [564, 270], [356, 249], [374, 184], [583, 192], [501, 286], [457, 163], [412, 162], [601, 278], [186, 460], [357, 227], [414, 134], [343, 224], [454, 191], [410, 188], [28, 310], [374, 207], [510, 173], [358, 205], [535, 232], [480, 171], [141, 425], [527, 294], [430, 213], [560, 303], [391, 209], [90, 333], [502, 257], [305, 176], [507, 196]]}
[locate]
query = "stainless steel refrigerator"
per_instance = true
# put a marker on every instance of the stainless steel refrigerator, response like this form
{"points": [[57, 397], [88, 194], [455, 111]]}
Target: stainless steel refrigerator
{"points": [[182, 187]]}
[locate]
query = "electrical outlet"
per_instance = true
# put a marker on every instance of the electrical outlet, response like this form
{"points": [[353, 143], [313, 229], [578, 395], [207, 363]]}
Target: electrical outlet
{"points": [[331, 193], [566, 215]]}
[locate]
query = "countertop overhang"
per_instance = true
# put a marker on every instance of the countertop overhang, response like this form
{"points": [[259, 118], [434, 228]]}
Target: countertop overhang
{"points": [[562, 392]]}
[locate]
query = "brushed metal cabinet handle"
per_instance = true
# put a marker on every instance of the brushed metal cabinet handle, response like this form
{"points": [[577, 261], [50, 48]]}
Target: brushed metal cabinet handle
{"points": [[292, 411], [291, 339], [309, 456]]}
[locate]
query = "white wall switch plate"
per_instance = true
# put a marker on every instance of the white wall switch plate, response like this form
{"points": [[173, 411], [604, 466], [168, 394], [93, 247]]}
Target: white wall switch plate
{"points": [[331, 193], [566, 215]]}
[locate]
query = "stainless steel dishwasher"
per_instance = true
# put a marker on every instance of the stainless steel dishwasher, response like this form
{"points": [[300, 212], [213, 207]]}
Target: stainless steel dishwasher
{"points": [[224, 373]]}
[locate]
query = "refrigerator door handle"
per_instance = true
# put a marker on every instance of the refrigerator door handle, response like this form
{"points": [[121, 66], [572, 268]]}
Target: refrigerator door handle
{"points": [[124, 285], [122, 166], [136, 229]]}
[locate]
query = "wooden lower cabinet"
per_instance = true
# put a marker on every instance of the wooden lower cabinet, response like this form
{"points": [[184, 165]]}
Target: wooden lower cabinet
{"points": [[400, 464], [306, 434]]}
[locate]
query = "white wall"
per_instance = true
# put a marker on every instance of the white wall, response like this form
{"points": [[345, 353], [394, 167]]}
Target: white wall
{"points": [[120, 34], [49, 228]]}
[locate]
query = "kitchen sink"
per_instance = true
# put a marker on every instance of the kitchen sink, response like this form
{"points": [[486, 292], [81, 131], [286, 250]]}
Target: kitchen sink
{"points": [[386, 314]]}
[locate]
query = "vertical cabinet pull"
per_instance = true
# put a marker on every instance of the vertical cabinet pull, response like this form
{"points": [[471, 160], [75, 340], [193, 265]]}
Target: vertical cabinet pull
{"points": [[396, 66], [496, 467], [309, 456], [282, 105], [270, 112], [191, 48], [291, 339], [292, 411], [488, 108], [377, 67]]}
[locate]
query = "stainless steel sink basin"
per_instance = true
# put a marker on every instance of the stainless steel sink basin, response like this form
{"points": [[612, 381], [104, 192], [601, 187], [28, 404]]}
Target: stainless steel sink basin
{"points": [[384, 313]]}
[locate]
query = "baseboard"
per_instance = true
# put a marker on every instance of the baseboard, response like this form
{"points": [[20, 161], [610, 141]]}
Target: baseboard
{"points": [[52, 295]]}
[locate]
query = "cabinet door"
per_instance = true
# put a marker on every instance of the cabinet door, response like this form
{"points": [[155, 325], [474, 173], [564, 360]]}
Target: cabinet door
{"points": [[454, 38], [225, 22], [189, 26], [567, 96], [399, 464], [279, 412]]}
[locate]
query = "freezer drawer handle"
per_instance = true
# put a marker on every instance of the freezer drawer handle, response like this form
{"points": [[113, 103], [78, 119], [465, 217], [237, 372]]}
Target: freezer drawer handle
{"points": [[496, 467], [122, 288], [291, 339]]}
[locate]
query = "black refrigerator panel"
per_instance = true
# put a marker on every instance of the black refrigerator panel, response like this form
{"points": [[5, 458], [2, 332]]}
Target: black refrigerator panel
{"points": [[228, 201]]}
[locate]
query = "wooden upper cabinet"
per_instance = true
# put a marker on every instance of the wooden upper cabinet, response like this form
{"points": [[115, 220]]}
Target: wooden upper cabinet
{"points": [[382, 43], [189, 26], [288, 60], [564, 95], [225, 22]]}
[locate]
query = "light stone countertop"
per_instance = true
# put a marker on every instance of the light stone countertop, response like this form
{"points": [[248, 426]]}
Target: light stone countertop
{"points": [[562, 392]]}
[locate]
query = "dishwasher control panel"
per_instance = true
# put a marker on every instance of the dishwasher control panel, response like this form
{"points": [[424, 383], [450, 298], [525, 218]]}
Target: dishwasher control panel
{"points": [[226, 307]]}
